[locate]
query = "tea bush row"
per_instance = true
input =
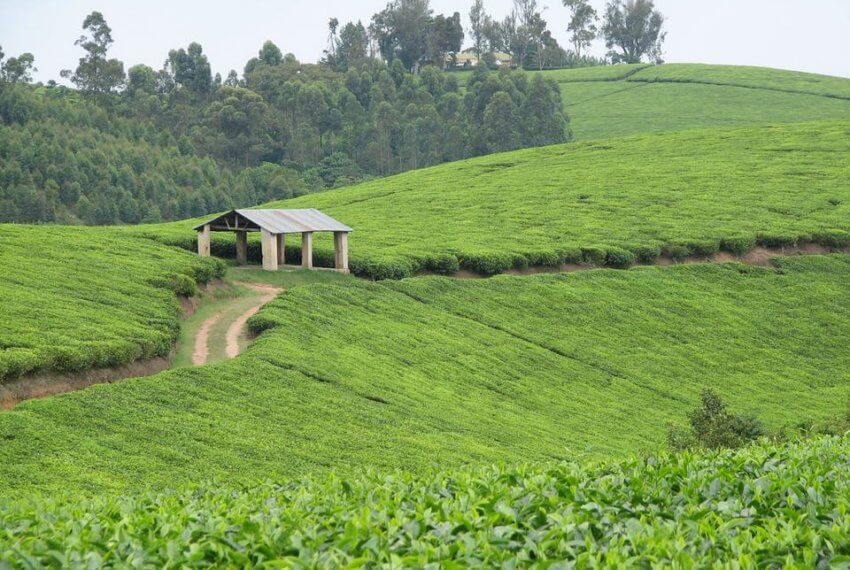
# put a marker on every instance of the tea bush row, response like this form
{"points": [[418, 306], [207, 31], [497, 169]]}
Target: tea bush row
{"points": [[616, 203], [79, 298], [763, 506]]}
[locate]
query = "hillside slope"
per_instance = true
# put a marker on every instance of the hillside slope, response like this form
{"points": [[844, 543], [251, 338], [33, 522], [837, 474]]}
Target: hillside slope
{"points": [[625, 100], [79, 298], [606, 202], [405, 374]]}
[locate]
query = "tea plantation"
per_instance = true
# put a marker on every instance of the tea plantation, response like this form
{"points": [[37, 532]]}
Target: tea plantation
{"points": [[613, 202], [78, 298], [439, 371], [764, 506], [623, 100]]}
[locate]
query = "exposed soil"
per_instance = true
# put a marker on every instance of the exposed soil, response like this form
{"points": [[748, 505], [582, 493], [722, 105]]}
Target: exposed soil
{"points": [[235, 331], [46, 384], [202, 349]]}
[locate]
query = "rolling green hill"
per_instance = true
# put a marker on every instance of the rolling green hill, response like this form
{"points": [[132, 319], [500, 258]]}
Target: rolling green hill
{"points": [[768, 505], [409, 373], [671, 97], [609, 202]]}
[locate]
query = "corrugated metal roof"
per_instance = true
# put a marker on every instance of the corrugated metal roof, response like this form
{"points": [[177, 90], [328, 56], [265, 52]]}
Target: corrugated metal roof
{"points": [[288, 221]]}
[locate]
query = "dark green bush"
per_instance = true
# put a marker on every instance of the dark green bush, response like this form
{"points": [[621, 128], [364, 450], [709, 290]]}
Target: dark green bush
{"points": [[645, 253], [738, 245], [488, 263], [832, 238], [676, 251], [570, 255], [776, 241], [443, 263], [713, 426], [594, 256], [704, 248], [543, 258], [620, 258]]}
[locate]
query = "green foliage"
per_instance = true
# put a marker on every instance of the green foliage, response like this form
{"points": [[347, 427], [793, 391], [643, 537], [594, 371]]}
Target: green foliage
{"points": [[492, 213], [713, 426], [409, 373], [84, 298], [787, 505]]}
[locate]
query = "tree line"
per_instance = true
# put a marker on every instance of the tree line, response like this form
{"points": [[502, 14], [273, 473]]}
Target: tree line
{"points": [[148, 145]]}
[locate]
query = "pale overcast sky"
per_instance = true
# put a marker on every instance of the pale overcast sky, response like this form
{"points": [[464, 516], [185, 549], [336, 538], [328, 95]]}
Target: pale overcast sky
{"points": [[807, 35]]}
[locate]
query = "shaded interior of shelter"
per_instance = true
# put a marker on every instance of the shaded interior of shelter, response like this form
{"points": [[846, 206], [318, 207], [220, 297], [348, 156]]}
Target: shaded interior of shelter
{"points": [[284, 237]]}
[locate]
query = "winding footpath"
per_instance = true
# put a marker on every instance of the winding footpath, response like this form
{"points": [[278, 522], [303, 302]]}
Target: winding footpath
{"points": [[204, 346]]}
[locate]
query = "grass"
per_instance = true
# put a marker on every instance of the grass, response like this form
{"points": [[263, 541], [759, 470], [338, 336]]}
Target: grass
{"points": [[437, 371], [768, 505], [610, 202], [78, 298]]}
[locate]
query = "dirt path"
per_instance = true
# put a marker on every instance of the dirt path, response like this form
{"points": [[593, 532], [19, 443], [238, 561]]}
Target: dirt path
{"points": [[205, 342], [236, 328]]}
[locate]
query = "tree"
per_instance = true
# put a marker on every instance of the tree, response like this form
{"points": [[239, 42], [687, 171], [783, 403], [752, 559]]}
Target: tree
{"points": [[95, 73], [501, 127], [522, 30], [444, 37], [632, 30], [402, 31], [479, 23], [17, 69], [353, 46], [582, 24], [270, 54], [333, 26], [141, 79], [190, 69]]}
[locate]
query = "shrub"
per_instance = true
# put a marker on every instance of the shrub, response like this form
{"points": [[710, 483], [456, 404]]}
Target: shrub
{"points": [[704, 248], [570, 255], [777, 241], [738, 245], [676, 251], [488, 263], [593, 256], [832, 238], [713, 426], [444, 263], [544, 259], [646, 253], [620, 258]]}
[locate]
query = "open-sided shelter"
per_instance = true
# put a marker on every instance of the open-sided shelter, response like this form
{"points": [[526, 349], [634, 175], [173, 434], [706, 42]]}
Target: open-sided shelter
{"points": [[274, 226]]}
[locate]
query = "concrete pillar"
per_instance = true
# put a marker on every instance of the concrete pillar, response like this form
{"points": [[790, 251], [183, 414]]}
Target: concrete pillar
{"points": [[269, 243], [281, 249], [307, 250], [341, 251], [204, 241], [241, 248]]}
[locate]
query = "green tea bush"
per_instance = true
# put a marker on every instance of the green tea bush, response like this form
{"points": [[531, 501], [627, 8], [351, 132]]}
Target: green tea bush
{"points": [[84, 298], [594, 256], [836, 239], [742, 188], [620, 258], [766, 505], [738, 245], [645, 254]]}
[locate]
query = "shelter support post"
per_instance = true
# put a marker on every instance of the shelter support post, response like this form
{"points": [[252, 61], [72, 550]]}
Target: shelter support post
{"points": [[341, 251], [269, 243], [241, 248], [204, 241], [281, 249], [307, 250]]}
